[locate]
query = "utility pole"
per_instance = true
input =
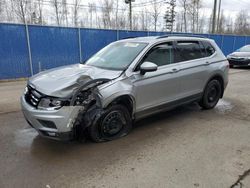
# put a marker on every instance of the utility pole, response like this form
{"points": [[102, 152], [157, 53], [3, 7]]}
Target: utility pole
{"points": [[218, 20], [130, 12], [214, 16]]}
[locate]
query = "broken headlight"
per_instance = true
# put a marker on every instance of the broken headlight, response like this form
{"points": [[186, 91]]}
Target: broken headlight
{"points": [[51, 104]]}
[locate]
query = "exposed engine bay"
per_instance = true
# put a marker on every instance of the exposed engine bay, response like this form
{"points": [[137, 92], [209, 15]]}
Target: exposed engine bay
{"points": [[88, 99]]}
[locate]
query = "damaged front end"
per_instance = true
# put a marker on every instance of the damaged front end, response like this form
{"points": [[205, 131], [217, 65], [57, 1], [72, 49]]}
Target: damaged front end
{"points": [[87, 99], [63, 118], [66, 100]]}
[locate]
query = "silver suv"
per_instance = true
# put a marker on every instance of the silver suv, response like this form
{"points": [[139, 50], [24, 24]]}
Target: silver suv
{"points": [[125, 81]]}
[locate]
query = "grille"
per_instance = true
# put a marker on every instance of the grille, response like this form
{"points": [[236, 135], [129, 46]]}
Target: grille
{"points": [[238, 59], [234, 62], [32, 96]]}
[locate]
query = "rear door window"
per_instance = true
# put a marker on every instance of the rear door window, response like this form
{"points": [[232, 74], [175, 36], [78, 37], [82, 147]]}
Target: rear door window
{"points": [[188, 50]]}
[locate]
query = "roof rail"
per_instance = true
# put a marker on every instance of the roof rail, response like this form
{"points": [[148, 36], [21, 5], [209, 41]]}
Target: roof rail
{"points": [[180, 35], [128, 38]]}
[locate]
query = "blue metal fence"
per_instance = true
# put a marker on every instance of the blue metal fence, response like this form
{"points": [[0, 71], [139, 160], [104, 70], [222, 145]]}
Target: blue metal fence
{"points": [[56, 46], [52, 47], [92, 40], [14, 61]]}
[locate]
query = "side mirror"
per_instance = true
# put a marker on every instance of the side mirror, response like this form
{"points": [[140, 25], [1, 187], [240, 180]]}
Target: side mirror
{"points": [[148, 67]]}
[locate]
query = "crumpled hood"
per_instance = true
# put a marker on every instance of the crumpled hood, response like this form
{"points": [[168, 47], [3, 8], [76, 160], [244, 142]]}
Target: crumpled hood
{"points": [[240, 54], [62, 81]]}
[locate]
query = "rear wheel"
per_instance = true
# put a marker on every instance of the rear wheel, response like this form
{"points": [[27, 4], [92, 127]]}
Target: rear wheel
{"points": [[114, 123], [211, 95]]}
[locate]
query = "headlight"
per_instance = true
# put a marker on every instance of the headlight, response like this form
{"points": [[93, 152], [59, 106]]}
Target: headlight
{"points": [[51, 104]]}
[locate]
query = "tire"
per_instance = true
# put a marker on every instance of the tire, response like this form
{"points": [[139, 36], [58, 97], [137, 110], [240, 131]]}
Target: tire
{"points": [[114, 123], [231, 66], [211, 95]]}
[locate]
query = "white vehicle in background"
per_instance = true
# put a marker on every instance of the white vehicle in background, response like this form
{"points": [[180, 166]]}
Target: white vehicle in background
{"points": [[240, 58]]}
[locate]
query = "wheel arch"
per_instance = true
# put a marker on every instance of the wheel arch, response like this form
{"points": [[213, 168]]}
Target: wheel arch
{"points": [[126, 100], [218, 77]]}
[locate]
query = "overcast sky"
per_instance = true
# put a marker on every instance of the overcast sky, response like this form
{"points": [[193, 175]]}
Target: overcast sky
{"points": [[227, 5], [230, 7]]}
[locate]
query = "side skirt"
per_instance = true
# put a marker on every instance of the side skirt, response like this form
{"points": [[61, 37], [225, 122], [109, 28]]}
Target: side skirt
{"points": [[167, 106]]}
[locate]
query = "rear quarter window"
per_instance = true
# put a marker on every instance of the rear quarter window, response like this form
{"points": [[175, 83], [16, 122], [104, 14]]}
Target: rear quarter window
{"points": [[208, 49], [188, 50]]}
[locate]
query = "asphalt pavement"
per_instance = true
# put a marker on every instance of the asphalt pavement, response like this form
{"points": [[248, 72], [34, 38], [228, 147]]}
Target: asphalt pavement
{"points": [[185, 147]]}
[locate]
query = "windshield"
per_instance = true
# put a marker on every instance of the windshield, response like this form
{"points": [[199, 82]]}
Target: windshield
{"points": [[244, 49], [116, 56]]}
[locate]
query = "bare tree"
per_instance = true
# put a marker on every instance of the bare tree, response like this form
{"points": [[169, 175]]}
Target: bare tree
{"points": [[121, 20], [143, 21], [156, 7], [1, 7], [96, 14], [135, 22], [116, 14], [36, 11], [9, 12], [191, 10], [194, 7], [170, 15], [22, 9], [242, 23], [202, 22], [76, 12], [229, 25], [92, 8], [198, 6], [107, 9], [210, 23], [40, 10], [184, 5], [65, 12], [112, 14], [178, 25], [221, 27], [57, 4]]}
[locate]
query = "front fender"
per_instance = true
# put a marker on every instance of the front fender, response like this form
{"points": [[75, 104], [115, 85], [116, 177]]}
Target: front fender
{"points": [[116, 90]]}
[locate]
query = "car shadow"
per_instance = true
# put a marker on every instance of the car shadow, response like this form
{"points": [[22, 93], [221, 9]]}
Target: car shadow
{"points": [[146, 133], [55, 149]]}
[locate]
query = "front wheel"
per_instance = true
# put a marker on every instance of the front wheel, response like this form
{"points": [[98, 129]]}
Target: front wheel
{"points": [[114, 123], [211, 95]]}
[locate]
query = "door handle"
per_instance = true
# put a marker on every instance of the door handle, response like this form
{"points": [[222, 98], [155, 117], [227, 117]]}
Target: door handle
{"points": [[174, 70], [207, 63]]}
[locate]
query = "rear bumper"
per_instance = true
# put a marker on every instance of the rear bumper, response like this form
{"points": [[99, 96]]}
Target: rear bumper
{"points": [[239, 63]]}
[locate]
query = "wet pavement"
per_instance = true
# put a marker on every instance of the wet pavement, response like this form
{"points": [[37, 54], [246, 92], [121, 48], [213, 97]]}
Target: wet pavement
{"points": [[185, 147]]}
